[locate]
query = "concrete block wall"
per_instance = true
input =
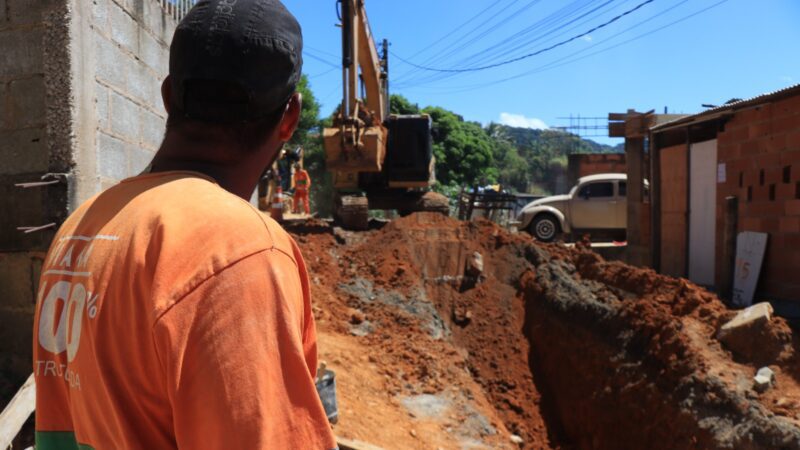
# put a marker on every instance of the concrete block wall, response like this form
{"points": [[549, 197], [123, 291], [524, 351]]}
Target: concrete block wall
{"points": [[22, 90], [130, 39], [80, 96], [760, 148], [24, 156]]}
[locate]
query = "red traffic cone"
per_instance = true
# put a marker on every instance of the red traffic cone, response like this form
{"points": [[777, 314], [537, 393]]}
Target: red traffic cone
{"points": [[276, 211]]}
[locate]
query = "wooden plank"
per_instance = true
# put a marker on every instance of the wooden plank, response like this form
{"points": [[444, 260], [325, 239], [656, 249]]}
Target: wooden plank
{"points": [[352, 444], [617, 116], [17, 412], [616, 129]]}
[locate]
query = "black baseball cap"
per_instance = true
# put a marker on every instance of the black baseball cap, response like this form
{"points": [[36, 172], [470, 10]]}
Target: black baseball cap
{"points": [[253, 49]]}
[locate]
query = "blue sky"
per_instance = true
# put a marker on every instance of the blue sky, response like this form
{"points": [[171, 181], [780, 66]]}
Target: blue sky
{"points": [[737, 48]]}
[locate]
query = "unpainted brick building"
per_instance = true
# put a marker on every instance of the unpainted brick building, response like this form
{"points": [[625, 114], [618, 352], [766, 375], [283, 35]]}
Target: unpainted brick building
{"points": [[747, 149]]}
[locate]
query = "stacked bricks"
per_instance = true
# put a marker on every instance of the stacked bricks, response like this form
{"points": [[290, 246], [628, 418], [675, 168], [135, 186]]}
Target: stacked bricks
{"points": [[760, 148]]}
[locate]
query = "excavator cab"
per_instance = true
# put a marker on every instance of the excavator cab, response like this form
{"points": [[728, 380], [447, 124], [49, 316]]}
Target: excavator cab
{"points": [[409, 157]]}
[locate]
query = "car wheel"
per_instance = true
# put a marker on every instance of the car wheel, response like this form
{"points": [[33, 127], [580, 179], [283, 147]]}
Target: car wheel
{"points": [[545, 228]]}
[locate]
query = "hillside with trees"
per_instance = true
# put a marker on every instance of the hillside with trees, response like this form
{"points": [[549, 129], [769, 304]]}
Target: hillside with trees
{"points": [[520, 159]]}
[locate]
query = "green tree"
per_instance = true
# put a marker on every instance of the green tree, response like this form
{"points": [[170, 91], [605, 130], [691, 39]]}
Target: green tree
{"points": [[309, 136], [308, 127], [401, 105], [463, 150]]}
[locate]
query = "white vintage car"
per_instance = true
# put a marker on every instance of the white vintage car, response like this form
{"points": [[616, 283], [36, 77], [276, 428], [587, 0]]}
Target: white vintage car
{"points": [[596, 203]]}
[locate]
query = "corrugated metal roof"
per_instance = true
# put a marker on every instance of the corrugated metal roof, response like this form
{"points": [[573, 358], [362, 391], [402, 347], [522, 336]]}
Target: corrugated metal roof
{"points": [[713, 113]]}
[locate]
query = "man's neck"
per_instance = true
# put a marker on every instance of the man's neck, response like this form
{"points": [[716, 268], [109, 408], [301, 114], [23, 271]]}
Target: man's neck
{"points": [[238, 176]]}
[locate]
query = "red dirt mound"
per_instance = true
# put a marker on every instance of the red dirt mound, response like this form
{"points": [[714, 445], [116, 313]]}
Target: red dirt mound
{"points": [[554, 346]]}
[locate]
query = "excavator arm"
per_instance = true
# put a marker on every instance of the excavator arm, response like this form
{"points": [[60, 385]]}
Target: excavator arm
{"points": [[357, 141], [360, 51]]}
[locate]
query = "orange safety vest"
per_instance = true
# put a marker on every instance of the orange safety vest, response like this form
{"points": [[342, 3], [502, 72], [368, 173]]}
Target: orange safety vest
{"points": [[302, 182]]}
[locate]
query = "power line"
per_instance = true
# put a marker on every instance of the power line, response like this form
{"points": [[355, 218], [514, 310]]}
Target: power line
{"points": [[320, 59], [317, 75], [529, 55], [450, 33], [461, 37], [499, 55], [322, 52], [555, 64], [549, 25]]}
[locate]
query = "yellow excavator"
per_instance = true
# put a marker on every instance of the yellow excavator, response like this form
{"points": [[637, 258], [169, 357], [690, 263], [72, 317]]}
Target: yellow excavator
{"points": [[378, 161]]}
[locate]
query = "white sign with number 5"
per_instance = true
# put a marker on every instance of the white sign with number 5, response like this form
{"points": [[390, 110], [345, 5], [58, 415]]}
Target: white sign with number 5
{"points": [[750, 248]]}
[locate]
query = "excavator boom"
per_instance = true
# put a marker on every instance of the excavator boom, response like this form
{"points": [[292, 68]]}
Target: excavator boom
{"points": [[357, 141]]}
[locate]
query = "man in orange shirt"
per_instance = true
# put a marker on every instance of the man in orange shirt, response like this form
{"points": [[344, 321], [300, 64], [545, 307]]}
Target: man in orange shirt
{"points": [[302, 186], [171, 313]]}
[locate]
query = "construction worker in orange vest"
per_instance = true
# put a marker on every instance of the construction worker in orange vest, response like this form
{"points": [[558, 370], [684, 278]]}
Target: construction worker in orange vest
{"points": [[302, 186]]}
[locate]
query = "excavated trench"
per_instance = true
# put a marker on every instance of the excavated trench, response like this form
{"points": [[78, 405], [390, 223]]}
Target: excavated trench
{"points": [[572, 351]]}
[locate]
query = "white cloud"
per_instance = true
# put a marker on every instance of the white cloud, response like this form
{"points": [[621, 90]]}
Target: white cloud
{"points": [[588, 38], [520, 121], [787, 79]]}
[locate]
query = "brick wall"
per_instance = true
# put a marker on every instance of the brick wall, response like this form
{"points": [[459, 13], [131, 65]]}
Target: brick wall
{"points": [[761, 150], [581, 165]]}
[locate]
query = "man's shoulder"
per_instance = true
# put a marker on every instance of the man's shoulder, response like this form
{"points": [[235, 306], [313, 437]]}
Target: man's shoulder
{"points": [[178, 231], [197, 211], [183, 213]]}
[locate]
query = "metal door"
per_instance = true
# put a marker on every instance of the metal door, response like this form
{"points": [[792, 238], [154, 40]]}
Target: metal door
{"points": [[702, 211]]}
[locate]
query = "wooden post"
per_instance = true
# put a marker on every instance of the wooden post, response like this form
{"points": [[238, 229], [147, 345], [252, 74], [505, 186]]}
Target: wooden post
{"points": [[730, 228], [634, 160], [17, 412], [655, 202], [471, 207]]}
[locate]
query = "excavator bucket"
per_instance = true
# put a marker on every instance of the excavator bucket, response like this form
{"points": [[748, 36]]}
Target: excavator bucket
{"points": [[341, 155]]}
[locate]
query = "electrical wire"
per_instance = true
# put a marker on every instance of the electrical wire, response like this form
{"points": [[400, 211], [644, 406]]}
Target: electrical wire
{"points": [[460, 37], [491, 29], [566, 60], [320, 59], [322, 52], [322, 74], [554, 33], [551, 24], [529, 55]]}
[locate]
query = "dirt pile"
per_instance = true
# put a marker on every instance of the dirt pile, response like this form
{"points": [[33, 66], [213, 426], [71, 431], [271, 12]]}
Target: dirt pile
{"points": [[546, 347]]}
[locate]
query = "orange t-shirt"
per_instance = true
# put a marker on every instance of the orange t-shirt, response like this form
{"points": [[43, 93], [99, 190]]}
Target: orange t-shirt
{"points": [[172, 314]]}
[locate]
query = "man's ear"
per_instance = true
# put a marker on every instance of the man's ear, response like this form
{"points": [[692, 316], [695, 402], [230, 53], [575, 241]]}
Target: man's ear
{"points": [[166, 93], [291, 118]]}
